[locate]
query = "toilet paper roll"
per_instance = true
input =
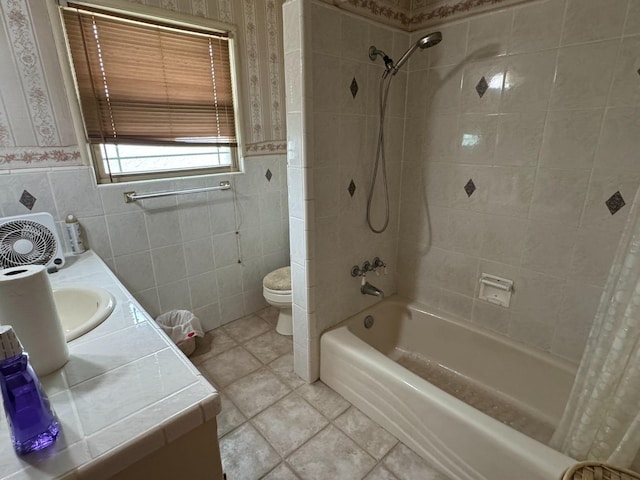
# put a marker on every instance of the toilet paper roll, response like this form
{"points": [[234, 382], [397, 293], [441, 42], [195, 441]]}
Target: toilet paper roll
{"points": [[26, 303]]}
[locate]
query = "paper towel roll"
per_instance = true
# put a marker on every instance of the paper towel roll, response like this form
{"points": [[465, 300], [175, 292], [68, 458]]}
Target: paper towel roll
{"points": [[26, 303]]}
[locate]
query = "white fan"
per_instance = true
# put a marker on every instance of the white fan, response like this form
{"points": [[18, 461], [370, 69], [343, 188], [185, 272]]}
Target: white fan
{"points": [[29, 240]]}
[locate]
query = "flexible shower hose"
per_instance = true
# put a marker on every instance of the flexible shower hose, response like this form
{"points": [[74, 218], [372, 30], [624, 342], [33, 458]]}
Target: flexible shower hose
{"points": [[385, 83]]}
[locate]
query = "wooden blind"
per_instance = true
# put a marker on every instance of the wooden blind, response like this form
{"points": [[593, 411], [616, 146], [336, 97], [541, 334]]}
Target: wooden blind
{"points": [[149, 83]]}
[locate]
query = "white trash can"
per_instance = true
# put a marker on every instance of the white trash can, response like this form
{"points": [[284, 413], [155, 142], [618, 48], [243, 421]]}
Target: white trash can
{"points": [[182, 327]]}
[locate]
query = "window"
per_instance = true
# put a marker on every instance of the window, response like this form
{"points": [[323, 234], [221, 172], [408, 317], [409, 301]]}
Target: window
{"points": [[157, 98]]}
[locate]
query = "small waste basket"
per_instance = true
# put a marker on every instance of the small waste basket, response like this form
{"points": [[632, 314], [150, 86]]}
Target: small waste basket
{"points": [[182, 327]]}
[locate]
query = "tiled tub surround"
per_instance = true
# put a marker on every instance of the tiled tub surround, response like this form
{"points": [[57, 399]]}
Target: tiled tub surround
{"points": [[125, 393], [332, 122], [178, 252], [274, 426], [537, 105], [522, 389]]}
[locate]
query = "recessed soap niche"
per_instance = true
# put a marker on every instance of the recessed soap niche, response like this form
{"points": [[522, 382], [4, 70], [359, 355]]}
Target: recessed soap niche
{"points": [[496, 290]]}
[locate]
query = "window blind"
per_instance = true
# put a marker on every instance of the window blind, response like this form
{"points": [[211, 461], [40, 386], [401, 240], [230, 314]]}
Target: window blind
{"points": [[149, 83]]}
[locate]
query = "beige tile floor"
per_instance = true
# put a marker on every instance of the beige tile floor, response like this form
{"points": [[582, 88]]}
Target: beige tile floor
{"points": [[274, 426]]}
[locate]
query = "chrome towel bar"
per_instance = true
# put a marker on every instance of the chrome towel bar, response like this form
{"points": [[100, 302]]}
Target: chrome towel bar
{"points": [[133, 196]]}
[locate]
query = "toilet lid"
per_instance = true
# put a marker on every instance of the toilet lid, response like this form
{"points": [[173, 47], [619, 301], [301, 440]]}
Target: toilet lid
{"points": [[279, 279]]}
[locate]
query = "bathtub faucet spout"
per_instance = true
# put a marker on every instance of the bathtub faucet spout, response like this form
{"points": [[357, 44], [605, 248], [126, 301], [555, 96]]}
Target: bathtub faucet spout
{"points": [[368, 289]]}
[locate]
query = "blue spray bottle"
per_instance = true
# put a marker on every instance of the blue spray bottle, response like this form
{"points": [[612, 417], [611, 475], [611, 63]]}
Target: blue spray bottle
{"points": [[31, 420]]}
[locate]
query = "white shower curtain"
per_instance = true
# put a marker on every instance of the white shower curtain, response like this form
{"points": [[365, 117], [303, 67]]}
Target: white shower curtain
{"points": [[602, 419]]}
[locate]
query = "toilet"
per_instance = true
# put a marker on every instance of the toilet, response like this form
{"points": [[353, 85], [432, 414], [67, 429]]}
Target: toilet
{"points": [[276, 288]]}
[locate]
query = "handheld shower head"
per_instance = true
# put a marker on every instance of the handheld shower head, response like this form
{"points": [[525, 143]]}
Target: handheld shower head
{"points": [[428, 41]]}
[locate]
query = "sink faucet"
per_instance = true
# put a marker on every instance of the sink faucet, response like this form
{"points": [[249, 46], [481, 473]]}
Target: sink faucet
{"points": [[368, 289]]}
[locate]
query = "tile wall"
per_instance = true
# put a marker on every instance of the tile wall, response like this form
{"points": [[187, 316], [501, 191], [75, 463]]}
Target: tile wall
{"points": [[537, 105], [178, 252], [173, 252], [332, 123]]}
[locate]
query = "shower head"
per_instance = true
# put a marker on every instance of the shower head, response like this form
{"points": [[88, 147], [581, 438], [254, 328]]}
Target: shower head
{"points": [[429, 40]]}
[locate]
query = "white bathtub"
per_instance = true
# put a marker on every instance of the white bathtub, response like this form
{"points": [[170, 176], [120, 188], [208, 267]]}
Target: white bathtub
{"points": [[461, 441]]}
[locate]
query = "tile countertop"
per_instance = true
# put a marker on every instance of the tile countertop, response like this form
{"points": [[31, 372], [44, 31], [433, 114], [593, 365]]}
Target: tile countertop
{"points": [[126, 391]]}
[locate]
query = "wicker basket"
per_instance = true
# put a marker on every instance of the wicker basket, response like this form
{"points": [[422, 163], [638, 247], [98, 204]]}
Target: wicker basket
{"points": [[598, 471]]}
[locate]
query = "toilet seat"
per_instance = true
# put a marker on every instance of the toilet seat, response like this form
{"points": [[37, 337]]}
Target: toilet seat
{"points": [[281, 297], [278, 280]]}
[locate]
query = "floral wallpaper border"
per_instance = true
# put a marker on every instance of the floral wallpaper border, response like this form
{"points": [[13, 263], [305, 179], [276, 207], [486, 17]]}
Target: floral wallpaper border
{"points": [[31, 157], [418, 17], [265, 148]]}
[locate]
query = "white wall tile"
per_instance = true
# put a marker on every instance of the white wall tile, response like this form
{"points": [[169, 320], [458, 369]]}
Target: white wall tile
{"points": [[326, 33], [490, 316], [203, 289], [199, 256], [209, 316], [453, 50], [593, 255], [194, 218], [168, 264], [632, 25], [443, 89], [135, 271], [510, 190], [95, 233], [250, 246], [229, 281], [489, 34], [518, 138], [548, 247], [625, 90], [589, 20], [127, 232], [503, 239], [174, 296], [559, 195], [493, 71], [570, 138], [602, 185], [619, 142], [477, 138], [583, 75], [537, 26], [37, 184], [83, 200], [528, 80], [232, 308], [163, 226]]}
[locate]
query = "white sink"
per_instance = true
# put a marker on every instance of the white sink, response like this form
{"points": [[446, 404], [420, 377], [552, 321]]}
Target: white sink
{"points": [[82, 308]]}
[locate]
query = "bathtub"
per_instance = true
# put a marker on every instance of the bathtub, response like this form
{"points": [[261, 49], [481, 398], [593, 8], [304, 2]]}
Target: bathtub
{"points": [[461, 441]]}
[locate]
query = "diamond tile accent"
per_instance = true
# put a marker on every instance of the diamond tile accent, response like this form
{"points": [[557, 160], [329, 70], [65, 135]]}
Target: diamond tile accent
{"points": [[482, 87], [615, 202], [470, 187], [268, 175], [352, 188], [27, 200], [354, 87]]}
